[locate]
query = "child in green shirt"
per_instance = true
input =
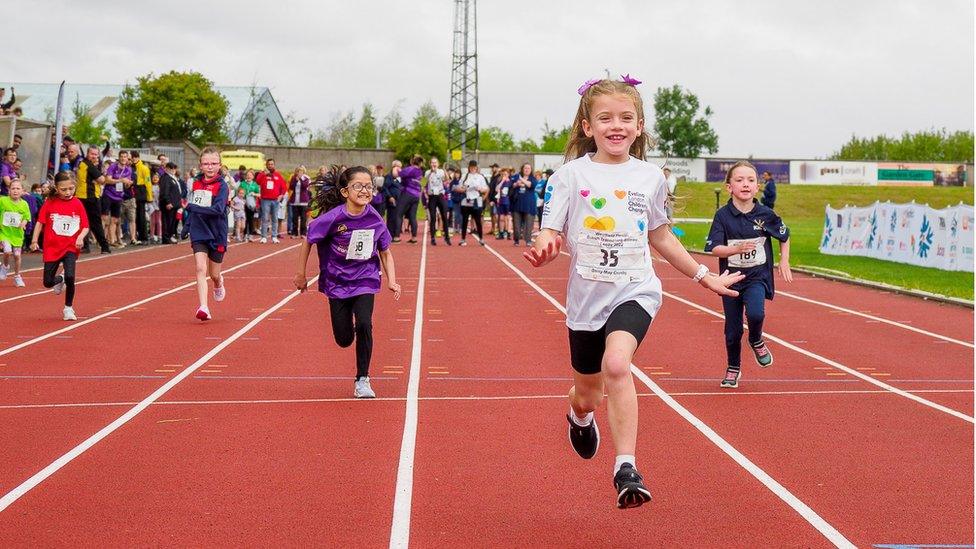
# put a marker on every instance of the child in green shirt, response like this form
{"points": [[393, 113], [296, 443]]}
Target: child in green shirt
{"points": [[14, 217]]}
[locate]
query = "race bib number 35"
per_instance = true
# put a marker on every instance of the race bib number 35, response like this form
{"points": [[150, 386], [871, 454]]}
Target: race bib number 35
{"points": [[752, 258], [612, 257], [65, 225], [11, 219], [203, 198], [361, 244]]}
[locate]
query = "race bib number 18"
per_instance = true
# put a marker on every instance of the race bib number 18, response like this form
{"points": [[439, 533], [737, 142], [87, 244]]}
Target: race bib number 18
{"points": [[752, 258], [612, 257], [361, 244]]}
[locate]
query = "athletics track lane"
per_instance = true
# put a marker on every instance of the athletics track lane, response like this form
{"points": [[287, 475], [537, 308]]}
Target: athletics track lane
{"points": [[239, 472], [877, 466]]}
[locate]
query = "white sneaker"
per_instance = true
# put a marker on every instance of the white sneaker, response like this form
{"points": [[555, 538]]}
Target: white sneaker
{"points": [[3, 272], [363, 390], [275, 240], [264, 240], [203, 314], [58, 288], [19, 281], [69, 314], [220, 292]]}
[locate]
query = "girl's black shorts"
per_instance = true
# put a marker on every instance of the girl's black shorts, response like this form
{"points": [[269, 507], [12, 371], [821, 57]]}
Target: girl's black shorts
{"points": [[586, 348]]}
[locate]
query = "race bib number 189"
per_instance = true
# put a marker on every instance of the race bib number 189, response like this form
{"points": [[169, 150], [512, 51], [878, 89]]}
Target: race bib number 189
{"points": [[612, 257], [752, 258]]}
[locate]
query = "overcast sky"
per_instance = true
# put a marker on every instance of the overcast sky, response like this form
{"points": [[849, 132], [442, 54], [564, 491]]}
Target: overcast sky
{"points": [[784, 78]]}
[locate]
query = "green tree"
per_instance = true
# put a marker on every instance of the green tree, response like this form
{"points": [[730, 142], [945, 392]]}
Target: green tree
{"points": [[495, 139], [554, 140], [341, 132], [922, 146], [366, 128], [174, 105], [679, 127], [426, 135], [84, 129]]}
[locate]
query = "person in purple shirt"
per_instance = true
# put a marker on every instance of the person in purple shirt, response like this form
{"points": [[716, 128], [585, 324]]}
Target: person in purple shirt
{"points": [[409, 197], [7, 170], [353, 244], [118, 177]]}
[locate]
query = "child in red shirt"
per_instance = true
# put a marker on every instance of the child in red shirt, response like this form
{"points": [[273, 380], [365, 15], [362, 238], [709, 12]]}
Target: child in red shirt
{"points": [[64, 224]]}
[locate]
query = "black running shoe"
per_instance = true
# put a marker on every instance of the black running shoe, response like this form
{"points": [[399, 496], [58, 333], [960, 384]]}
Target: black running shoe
{"points": [[585, 440], [629, 484]]}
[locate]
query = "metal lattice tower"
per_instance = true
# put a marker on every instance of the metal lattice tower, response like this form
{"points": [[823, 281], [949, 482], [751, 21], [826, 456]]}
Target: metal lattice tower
{"points": [[462, 125]]}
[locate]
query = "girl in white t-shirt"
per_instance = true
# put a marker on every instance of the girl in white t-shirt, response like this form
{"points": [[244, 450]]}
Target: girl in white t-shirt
{"points": [[607, 203]]}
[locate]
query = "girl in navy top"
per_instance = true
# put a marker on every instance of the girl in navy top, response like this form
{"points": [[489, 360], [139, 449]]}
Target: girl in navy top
{"points": [[741, 237], [206, 222]]}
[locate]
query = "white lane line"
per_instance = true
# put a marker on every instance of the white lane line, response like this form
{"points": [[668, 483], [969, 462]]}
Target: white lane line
{"points": [[803, 509], [57, 464], [873, 318], [400, 529], [79, 324], [453, 398], [104, 276], [838, 365]]}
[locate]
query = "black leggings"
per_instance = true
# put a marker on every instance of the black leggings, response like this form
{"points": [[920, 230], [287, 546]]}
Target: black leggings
{"points": [[467, 212], [434, 203], [345, 331], [407, 207], [51, 278]]}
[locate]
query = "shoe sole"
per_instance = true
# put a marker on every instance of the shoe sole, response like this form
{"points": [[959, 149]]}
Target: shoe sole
{"points": [[569, 435], [633, 496]]}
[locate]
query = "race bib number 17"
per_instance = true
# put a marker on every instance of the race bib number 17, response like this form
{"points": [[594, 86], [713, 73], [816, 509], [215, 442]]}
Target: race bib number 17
{"points": [[65, 225]]}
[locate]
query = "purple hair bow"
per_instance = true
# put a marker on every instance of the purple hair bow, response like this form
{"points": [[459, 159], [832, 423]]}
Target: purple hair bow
{"points": [[625, 78]]}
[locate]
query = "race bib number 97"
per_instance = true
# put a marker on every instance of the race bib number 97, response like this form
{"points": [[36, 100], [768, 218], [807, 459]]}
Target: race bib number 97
{"points": [[203, 198], [11, 219], [65, 225], [361, 244], [611, 257], [752, 258]]}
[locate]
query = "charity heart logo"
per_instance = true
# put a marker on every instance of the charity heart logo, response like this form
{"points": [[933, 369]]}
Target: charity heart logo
{"points": [[641, 224], [605, 223], [620, 194], [598, 203], [548, 193], [584, 192]]}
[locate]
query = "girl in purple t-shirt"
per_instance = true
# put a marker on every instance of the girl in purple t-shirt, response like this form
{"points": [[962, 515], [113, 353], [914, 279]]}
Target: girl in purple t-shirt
{"points": [[353, 244]]}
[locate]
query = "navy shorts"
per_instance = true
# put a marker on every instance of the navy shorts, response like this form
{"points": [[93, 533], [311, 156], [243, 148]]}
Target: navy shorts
{"points": [[111, 207], [586, 348], [503, 209], [213, 254]]}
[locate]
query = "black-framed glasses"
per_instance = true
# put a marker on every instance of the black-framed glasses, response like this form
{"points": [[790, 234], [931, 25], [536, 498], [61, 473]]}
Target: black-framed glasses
{"points": [[361, 186]]}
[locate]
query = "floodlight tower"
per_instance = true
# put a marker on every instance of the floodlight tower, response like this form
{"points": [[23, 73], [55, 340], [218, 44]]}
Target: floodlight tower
{"points": [[462, 124]]}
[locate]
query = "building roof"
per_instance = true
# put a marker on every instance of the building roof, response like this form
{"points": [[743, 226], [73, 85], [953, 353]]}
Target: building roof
{"points": [[39, 102]]}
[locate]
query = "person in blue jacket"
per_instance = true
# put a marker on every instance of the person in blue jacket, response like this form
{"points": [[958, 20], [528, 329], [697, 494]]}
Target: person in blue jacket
{"points": [[391, 192], [523, 204], [769, 190], [206, 223]]}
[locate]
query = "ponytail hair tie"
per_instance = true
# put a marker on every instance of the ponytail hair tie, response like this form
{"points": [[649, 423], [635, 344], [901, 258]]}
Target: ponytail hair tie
{"points": [[625, 78]]}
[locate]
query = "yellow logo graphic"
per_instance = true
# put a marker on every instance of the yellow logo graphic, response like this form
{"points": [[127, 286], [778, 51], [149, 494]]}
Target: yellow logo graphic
{"points": [[605, 223]]}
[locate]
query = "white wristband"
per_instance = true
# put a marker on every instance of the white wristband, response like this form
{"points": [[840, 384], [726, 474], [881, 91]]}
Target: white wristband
{"points": [[702, 272]]}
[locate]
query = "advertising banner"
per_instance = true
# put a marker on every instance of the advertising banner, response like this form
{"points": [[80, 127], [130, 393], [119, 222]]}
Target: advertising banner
{"points": [[833, 172], [683, 169], [715, 169], [904, 233]]}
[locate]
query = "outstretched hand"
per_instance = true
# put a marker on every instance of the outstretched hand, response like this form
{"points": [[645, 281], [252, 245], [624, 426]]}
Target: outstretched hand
{"points": [[720, 283], [539, 258]]}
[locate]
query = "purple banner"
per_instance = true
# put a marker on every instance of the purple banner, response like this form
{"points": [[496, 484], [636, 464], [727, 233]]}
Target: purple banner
{"points": [[779, 169]]}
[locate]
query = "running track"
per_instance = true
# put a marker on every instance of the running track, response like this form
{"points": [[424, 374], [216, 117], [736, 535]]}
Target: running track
{"points": [[141, 426]]}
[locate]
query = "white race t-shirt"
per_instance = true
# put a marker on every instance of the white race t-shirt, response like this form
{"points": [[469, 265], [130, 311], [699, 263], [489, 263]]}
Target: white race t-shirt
{"points": [[476, 184], [605, 212], [435, 182]]}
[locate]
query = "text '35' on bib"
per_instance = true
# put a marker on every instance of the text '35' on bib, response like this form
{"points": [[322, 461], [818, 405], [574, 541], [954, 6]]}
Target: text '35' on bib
{"points": [[611, 256]]}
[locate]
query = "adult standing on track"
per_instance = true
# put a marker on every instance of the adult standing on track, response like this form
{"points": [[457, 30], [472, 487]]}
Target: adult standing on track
{"points": [[298, 202], [169, 201], [392, 189], [252, 197], [410, 197], [435, 198], [89, 179], [475, 187], [272, 185], [523, 204], [379, 201]]}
